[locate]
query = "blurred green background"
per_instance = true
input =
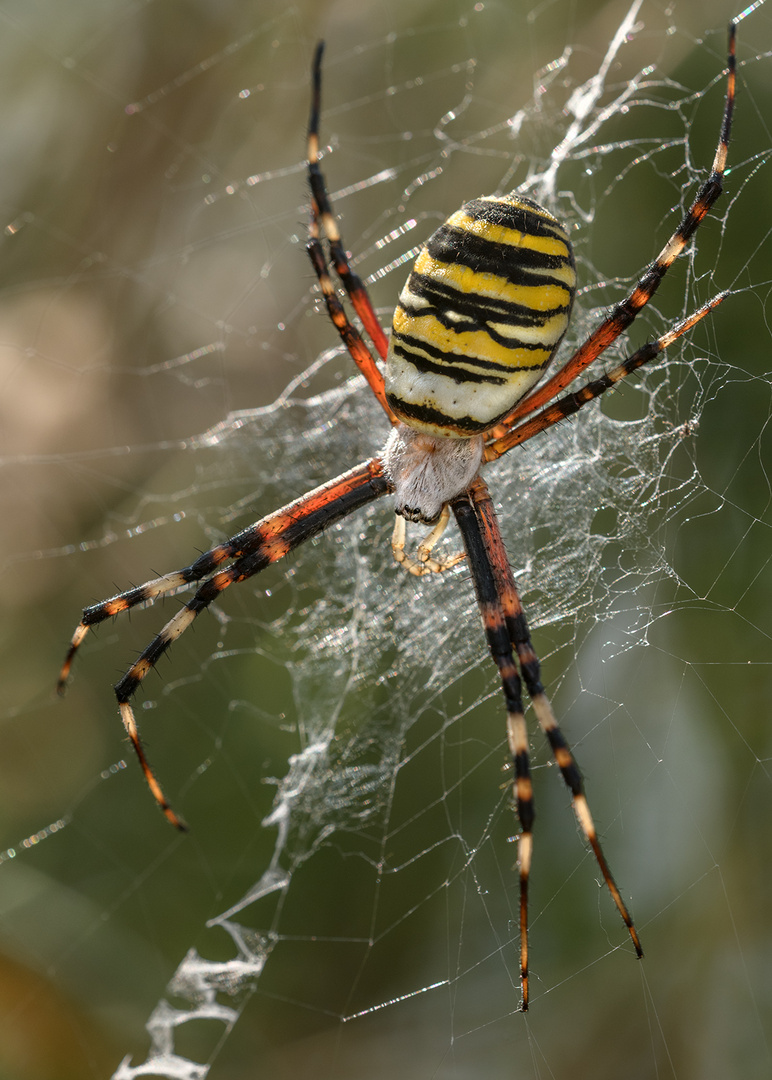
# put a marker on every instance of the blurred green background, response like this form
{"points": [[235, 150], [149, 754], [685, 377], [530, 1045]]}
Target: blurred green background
{"points": [[154, 282]]}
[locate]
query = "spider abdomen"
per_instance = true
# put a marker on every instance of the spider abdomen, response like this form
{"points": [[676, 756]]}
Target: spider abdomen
{"points": [[480, 317]]}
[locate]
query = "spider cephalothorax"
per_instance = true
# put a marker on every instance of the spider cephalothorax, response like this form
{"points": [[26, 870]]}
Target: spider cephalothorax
{"points": [[427, 471]]}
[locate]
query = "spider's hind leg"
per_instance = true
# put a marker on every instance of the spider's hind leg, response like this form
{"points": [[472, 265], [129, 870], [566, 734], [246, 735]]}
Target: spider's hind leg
{"points": [[494, 621], [506, 627], [520, 637]]}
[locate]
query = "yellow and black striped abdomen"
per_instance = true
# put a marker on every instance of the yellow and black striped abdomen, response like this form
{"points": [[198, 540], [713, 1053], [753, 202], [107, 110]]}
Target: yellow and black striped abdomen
{"points": [[480, 317]]}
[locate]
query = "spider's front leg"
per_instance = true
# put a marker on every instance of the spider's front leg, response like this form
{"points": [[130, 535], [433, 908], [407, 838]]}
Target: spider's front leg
{"points": [[627, 310], [248, 552], [506, 627]]}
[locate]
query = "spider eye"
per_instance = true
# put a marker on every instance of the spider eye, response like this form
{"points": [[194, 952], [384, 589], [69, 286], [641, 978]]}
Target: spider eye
{"points": [[414, 513]]}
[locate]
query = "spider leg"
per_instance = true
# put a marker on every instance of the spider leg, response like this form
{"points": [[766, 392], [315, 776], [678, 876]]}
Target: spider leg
{"points": [[322, 215], [623, 313], [424, 563], [572, 403], [530, 669], [252, 550], [500, 645], [144, 594], [506, 626]]}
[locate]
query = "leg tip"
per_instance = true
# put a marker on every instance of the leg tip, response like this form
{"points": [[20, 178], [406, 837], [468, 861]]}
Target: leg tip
{"points": [[173, 819]]}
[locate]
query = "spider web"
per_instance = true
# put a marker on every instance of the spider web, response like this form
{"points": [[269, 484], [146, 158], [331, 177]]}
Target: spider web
{"points": [[333, 731]]}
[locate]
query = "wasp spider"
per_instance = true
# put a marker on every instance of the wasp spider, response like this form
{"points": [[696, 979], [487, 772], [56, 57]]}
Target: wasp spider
{"points": [[476, 325]]}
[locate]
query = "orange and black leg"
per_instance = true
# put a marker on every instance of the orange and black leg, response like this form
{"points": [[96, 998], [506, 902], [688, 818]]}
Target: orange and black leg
{"points": [[571, 403], [623, 314], [323, 221], [251, 551], [506, 627]]}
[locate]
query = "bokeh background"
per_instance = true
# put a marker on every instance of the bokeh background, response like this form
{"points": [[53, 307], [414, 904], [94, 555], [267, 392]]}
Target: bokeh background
{"points": [[152, 283]]}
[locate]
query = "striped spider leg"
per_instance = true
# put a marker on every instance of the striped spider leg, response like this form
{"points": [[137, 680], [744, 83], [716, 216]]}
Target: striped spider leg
{"points": [[506, 629], [623, 314], [323, 218], [248, 552], [506, 626]]}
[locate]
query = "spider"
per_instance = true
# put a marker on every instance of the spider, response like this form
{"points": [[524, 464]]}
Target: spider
{"points": [[476, 325]]}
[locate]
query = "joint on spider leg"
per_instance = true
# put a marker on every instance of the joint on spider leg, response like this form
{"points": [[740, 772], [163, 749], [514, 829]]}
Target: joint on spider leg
{"points": [[398, 541], [525, 851], [573, 778], [129, 722], [587, 824], [517, 740], [77, 640], [398, 545], [424, 563]]}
